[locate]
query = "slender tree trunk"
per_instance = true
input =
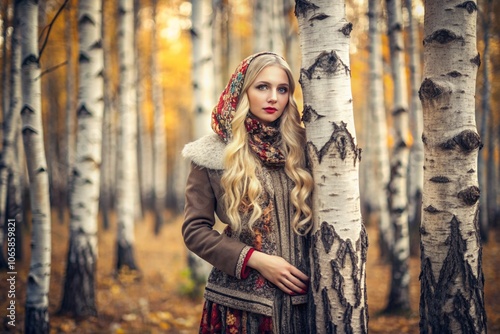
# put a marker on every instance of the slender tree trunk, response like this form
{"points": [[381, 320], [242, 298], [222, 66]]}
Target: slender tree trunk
{"points": [[126, 184], [261, 21], [416, 162], [399, 296], [108, 126], [69, 143], [145, 168], [5, 62], [339, 240], [203, 66], [379, 154], [79, 285], [452, 290], [159, 134], [36, 309], [8, 166], [483, 162]]}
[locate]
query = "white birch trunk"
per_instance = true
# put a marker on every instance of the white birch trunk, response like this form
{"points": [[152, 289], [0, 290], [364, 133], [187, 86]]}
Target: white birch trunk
{"points": [[399, 296], [69, 143], [5, 63], [79, 285], [416, 162], [126, 162], [202, 73], [203, 66], [261, 21], [108, 166], [379, 152], [483, 163], [452, 291], [339, 240], [159, 133], [36, 307], [9, 166], [144, 154]]}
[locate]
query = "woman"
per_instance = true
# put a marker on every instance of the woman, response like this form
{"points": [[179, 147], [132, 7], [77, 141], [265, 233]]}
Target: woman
{"points": [[252, 174]]}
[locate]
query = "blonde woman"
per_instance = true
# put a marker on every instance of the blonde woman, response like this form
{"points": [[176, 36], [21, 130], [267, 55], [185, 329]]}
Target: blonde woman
{"points": [[252, 174]]}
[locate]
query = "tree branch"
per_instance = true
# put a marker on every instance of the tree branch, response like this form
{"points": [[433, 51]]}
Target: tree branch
{"points": [[49, 28]]}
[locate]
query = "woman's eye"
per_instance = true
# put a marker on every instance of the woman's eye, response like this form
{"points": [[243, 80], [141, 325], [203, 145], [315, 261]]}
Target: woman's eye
{"points": [[262, 87], [282, 90]]}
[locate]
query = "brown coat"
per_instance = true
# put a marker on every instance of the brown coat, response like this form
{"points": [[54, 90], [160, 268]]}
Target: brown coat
{"points": [[226, 251]]}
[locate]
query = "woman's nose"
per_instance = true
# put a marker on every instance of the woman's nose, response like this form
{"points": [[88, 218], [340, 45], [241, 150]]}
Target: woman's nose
{"points": [[273, 97]]}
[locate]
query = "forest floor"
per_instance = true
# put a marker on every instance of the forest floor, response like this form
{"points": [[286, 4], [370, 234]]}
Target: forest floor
{"points": [[158, 300]]}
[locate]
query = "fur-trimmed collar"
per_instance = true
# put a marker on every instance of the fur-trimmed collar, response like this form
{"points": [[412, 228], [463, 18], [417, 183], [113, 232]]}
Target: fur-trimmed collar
{"points": [[208, 151]]}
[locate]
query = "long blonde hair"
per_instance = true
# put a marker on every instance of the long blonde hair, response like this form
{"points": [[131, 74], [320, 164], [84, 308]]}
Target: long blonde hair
{"points": [[239, 180]]}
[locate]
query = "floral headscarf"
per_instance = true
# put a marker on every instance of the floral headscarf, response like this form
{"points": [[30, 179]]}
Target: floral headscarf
{"points": [[223, 113]]}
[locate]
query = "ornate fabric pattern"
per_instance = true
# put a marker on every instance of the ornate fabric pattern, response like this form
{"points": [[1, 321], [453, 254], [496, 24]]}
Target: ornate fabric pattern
{"points": [[265, 141], [223, 113]]}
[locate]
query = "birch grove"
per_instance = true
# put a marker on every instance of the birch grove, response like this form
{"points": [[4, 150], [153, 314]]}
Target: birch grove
{"points": [[37, 303], [451, 279], [339, 240], [80, 279]]}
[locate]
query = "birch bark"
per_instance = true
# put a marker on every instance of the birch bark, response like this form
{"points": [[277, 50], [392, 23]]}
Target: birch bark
{"points": [[79, 285], [416, 162], [159, 133], [127, 157], [379, 152], [452, 291], [339, 240], [36, 307], [399, 295]]}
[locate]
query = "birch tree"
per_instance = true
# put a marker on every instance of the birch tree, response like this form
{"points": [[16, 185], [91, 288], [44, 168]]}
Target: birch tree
{"points": [[416, 160], [204, 100], [451, 279], [203, 66], [379, 153], [9, 167], [399, 295], [127, 140], [339, 240], [36, 307], [79, 285], [159, 134]]}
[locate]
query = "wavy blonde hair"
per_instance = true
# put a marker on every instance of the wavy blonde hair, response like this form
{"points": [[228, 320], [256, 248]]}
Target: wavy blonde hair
{"points": [[239, 180]]}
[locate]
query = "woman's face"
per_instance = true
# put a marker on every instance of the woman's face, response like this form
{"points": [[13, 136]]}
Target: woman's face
{"points": [[268, 94]]}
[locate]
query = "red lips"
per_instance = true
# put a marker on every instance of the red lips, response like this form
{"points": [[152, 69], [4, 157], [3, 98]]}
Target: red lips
{"points": [[270, 110]]}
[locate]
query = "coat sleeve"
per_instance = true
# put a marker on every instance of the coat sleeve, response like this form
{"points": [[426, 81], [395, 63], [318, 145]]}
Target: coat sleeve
{"points": [[224, 253]]}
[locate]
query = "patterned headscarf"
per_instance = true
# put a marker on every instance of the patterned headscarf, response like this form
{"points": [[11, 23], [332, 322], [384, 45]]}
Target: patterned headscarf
{"points": [[223, 113]]}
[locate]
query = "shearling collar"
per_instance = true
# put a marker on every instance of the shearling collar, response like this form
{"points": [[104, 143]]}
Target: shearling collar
{"points": [[208, 152]]}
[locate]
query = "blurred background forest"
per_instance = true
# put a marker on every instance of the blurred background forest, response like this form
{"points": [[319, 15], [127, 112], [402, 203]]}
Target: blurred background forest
{"points": [[161, 296]]}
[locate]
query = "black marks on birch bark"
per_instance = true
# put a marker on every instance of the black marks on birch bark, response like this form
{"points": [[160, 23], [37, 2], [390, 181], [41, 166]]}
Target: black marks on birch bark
{"points": [[440, 179], [476, 60], [327, 236], [310, 115], [342, 140], [399, 111], [327, 63], [457, 283], [454, 74], [470, 6], [466, 140], [429, 90], [431, 209], [303, 6], [30, 59], [346, 29], [83, 58], [329, 325], [319, 17], [443, 36], [316, 268], [83, 111], [470, 195]]}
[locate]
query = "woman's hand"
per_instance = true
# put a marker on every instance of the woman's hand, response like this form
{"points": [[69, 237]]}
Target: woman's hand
{"points": [[279, 272]]}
